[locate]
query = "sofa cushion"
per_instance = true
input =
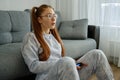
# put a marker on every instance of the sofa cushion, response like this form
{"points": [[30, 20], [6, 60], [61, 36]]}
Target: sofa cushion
{"points": [[58, 19], [75, 29], [20, 24], [13, 26], [77, 48], [5, 28]]}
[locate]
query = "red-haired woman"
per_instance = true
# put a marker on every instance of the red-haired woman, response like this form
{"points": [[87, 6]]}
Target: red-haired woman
{"points": [[44, 54]]}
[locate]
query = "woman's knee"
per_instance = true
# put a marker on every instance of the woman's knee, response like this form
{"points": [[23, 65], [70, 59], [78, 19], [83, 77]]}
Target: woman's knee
{"points": [[98, 53], [67, 61]]}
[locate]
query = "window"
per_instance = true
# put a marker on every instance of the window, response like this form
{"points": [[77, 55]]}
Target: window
{"points": [[110, 14]]}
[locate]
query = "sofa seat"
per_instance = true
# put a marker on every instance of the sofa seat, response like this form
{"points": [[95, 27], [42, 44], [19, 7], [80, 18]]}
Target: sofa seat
{"points": [[12, 62], [77, 48]]}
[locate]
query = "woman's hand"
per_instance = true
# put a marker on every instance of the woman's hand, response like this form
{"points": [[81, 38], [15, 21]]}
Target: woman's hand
{"points": [[80, 65]]}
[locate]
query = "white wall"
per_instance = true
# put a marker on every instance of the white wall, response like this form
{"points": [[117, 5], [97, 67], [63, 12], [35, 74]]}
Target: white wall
{"points": [[23, 4]]}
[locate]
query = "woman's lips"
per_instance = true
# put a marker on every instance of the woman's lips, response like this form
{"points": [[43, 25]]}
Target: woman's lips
{"points": [[53, 23]]}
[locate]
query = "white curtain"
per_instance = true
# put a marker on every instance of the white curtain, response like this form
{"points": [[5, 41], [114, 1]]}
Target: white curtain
{"points": [[106, 14], [103, 13], [72, 9], [110, 31]]}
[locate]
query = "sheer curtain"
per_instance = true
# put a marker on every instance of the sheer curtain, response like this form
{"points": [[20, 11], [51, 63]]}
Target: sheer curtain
{"points": [[107, 16], [72, 9], [110, 31], [103, 13]]}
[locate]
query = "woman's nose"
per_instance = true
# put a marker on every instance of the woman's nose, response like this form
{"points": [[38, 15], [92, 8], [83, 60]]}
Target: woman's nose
{"points": [[53, 18]]}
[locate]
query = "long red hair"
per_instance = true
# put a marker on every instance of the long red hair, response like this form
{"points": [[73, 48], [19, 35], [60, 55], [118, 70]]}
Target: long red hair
{"points": [[36, 12]]}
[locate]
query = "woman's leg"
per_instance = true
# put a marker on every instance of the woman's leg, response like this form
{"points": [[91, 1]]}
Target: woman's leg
{"points": [[98, 64], [64, 69]]}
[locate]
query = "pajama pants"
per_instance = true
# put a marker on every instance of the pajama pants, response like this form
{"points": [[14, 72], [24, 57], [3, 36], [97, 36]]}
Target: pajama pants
{"points": [[65, 68]]}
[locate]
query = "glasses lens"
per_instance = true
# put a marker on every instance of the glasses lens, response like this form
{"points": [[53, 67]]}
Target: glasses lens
{"points": [[55, 15], [50, 16]]}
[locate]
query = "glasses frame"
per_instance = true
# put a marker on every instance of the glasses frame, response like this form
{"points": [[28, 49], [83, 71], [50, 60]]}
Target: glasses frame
{"points": [[50, 16]]}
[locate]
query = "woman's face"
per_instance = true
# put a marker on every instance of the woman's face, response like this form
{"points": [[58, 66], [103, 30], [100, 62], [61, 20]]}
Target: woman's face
{"points": [[47, 20]]}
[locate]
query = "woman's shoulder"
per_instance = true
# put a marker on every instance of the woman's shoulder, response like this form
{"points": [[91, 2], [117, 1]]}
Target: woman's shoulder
{"points": [[30, 34], [30, 38]]}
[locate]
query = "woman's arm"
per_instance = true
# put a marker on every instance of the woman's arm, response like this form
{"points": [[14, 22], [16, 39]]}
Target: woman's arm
{"points": [[30, 51]]}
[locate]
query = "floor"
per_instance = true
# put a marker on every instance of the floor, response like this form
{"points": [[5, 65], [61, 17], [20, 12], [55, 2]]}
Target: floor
{"points": [[116, 72]]}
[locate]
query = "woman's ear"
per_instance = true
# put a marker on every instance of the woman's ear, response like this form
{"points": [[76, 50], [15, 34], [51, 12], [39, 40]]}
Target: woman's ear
{"points": [[39, 20]]}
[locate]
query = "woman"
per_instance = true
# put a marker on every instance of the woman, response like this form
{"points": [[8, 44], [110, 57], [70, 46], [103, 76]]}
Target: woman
{"points": [[44, 54]]}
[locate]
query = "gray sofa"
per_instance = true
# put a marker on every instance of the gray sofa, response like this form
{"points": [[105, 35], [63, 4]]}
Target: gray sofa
{"points": [[78, 38]]}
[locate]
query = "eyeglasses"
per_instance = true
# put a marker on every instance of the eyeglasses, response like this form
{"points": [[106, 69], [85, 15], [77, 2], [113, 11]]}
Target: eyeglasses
{"points": [[50, 16]]}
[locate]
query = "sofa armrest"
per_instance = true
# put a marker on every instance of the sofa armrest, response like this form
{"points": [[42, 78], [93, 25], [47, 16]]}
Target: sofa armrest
{"points": [[94, 32]]}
